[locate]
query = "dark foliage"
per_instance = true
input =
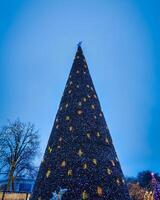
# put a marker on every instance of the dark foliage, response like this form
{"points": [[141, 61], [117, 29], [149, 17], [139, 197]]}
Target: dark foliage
{"points": [[19, 144]]}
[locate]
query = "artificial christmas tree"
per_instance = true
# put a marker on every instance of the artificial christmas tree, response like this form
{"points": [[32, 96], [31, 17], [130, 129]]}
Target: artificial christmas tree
{"points": [[80, 161]]}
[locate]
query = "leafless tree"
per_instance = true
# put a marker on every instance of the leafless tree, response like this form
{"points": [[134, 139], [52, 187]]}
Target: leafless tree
{"points": [[19, 146]]}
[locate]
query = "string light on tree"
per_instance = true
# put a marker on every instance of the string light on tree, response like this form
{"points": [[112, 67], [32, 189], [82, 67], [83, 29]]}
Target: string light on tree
{"points": [[80, 155]]}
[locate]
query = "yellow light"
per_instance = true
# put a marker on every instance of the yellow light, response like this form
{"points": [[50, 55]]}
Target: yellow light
{"points": [[107, 141], [95, 96], [80, 153], [99, 191], [70, 128], [113, 163], [118, 181], [84, 99], [93, 106], [79, 103], [67, 118], [94, 161], [85, 166], [84, 195], [48, 173], [79, 112], [63, 164], [109, 171], [98, 134], [49, 149], [69, 172]]}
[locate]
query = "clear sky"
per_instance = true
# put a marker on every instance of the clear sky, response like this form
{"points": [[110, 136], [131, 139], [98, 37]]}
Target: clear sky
{"points": [[121, 42]]}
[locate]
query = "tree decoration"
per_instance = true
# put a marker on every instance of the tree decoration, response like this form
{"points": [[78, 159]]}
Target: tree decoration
{"points": [[88, 152], [79, 112], [71, 128], [67, 118], [80, 152], [49, 149], [48, 173], [94, 161], [99, 191], [69, 172], [98, 134], [63, 164], [84, 195], [85, 166]]}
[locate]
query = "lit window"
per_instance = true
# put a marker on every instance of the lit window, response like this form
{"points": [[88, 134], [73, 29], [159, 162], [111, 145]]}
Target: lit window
{"points": [[57, 126], [77, 71], [69, 92], [66, 105], [88, 135], [77, 86]]}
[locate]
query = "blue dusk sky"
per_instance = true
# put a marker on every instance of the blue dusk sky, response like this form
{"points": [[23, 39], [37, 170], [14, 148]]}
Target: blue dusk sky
{"points": [[121, 42]]}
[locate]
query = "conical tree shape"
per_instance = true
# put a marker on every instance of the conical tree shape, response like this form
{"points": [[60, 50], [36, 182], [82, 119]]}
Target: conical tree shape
{"points": [[80, 161]]}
